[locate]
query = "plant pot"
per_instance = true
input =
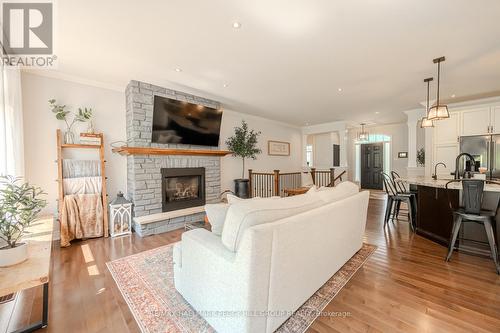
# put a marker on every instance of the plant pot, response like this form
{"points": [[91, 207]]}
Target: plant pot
{"points": [[241, 188], [10, 256], [69, 137]]}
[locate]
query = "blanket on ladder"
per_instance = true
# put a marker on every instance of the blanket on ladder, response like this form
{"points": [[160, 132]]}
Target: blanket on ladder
{"points": [[82, 217]]}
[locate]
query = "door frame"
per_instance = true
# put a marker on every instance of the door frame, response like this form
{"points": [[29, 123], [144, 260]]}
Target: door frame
{"points": [[386, 140]]}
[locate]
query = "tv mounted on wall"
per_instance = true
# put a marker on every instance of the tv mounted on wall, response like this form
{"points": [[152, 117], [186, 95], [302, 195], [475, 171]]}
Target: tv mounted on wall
{"points": [[185, 123]]}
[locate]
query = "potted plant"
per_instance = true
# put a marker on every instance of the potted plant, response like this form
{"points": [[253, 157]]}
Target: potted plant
{"points": [[61, 113], [421, 157], [19, 204], [86, 115], [243, 144]]}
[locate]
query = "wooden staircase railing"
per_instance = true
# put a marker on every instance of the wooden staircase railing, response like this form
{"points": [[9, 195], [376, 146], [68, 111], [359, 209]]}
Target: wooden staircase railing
{"points": [[268, 184]]}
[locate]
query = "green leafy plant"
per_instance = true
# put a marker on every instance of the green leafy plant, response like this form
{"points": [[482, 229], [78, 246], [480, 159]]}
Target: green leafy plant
{"points": [[19, 204], [244, 144], [421, 157], [61, 113], [84, 114]]}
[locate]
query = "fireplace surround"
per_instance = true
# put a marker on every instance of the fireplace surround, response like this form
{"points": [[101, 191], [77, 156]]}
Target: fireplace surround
{"points": [[182, 188], [144, 171]]}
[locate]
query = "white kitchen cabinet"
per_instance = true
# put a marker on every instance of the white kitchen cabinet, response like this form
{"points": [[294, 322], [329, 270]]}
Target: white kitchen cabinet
{"points": [[476, 121], [495, 119], [447, 131]]}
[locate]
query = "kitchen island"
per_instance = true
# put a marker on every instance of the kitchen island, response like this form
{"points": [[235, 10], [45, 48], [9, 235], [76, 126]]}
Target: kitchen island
{"points": [[435, 218]]}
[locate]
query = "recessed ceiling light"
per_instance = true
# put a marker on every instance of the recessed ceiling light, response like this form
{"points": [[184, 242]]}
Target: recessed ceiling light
{"points": [[178, 69], [453, 96], [339, 90], [376, 112], [225, 85], [307, 124], [236, 25]]}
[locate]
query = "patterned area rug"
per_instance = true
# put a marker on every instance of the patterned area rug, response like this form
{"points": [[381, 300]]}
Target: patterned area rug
{"points": [[146, 281]]}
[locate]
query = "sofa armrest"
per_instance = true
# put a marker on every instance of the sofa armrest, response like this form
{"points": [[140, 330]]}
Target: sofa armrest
{"points": [[215, 280], [206, 244]]}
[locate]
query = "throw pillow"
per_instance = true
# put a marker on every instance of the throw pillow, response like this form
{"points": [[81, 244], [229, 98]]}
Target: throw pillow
{"points": [[306, 179], [216, 214], [339, 192], [231, 199]]}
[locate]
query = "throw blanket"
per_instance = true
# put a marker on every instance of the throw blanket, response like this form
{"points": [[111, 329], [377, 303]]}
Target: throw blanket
{"points": [[82, 185], [81, 168], [82, 217]]}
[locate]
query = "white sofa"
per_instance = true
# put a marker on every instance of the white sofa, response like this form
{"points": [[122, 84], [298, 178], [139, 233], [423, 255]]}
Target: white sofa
{"points": [[260, 270]]}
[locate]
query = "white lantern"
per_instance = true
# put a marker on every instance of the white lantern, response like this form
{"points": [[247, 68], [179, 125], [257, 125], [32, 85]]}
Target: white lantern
{"points": [[120, 216]]}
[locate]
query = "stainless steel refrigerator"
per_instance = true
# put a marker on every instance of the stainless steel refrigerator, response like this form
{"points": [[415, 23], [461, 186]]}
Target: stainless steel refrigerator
{"points": [[485, 149]]}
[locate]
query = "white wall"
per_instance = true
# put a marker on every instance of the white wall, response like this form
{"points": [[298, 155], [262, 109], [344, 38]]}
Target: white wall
{"points": [[270, 130], [323, 151], [338, 135], [399, 143], [109, 111], [40, 130]]}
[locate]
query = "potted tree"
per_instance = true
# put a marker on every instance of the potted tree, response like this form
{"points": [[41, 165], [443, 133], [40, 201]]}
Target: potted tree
{"points": [[243, 144], [19, 204]]}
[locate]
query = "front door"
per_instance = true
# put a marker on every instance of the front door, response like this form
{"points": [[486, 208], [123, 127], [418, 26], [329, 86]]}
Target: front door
{"points": [[372, 164]]}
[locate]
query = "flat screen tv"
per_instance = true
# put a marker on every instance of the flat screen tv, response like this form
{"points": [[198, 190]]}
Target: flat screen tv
{"points": [[185, 123]]}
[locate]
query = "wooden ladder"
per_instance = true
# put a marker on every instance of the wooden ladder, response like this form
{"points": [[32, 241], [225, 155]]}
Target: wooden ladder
{"points": [[60, 147]]}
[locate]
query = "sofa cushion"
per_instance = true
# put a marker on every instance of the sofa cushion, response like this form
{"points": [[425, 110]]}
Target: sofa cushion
{"points": [[341, 191], [216, 214], [248, 213]]}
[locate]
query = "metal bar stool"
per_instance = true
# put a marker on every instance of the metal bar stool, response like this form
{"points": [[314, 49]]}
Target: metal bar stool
{"points": [[473, 190], [394, 198], [401, 189]]}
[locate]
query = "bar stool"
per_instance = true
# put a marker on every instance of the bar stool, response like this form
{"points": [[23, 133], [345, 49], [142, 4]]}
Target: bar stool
{"points": [[473, 190], [401, 189], [394, 198]]}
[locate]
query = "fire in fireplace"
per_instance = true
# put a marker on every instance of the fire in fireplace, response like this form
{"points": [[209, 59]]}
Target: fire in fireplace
{"points": [[182, 188]]}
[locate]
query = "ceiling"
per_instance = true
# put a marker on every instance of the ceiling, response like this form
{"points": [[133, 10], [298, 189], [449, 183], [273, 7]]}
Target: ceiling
{"points": [[288, 58]]}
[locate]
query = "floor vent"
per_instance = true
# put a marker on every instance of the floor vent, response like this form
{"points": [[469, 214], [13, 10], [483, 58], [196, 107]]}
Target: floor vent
{"points": [[7, 298]]}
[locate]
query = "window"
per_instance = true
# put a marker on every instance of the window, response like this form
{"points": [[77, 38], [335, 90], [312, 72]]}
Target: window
{"points": [[11, 135], [309, 155]]}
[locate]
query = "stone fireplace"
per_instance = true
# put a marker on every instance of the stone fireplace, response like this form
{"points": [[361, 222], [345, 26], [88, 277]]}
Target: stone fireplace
{"points": [[147, 185], [182, 188]]}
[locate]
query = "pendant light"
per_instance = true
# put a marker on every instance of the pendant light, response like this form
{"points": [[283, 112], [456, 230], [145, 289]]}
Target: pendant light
{"points": [[425, 122], [363, 135], [438, 111]]}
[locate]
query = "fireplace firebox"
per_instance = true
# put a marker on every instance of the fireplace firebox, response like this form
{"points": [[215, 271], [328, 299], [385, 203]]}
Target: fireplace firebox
{"points": [[182, 188]]}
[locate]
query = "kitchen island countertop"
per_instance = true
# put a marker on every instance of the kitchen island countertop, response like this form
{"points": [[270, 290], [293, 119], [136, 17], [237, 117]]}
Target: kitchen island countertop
{"points": [[441, 183]]}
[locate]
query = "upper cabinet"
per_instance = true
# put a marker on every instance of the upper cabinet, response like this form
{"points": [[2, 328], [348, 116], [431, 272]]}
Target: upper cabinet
{"points": [[447, 131], [480, 121], [495, 119], [476, 121]]}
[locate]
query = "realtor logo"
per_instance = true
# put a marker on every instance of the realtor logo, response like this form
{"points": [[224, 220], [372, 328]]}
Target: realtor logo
{"points": [[27, 34], [27, 28]]}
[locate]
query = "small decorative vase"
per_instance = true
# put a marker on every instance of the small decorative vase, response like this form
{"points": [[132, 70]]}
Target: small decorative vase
{"points": [[69, 137], [90, 128], [10, 256]]}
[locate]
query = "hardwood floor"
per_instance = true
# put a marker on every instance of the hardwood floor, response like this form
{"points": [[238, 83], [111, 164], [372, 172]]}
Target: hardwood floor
{"points": [[405, 286]]}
